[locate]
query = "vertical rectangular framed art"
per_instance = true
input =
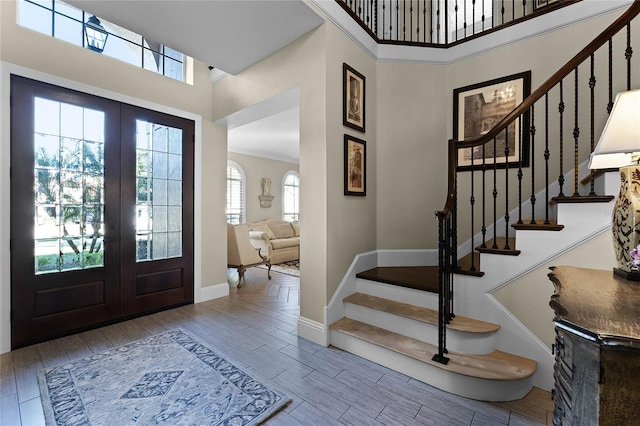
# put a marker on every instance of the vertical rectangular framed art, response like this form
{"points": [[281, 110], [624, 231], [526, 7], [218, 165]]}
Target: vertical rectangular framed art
{"points": [[355, 161], [353, 99]]}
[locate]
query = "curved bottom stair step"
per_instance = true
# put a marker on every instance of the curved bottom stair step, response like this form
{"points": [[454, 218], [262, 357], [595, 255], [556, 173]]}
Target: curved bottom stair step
{"points": [[497, 365]]}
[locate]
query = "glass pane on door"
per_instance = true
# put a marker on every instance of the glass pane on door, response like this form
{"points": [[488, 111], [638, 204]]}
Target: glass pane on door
{"points": [[68, 175], [158, 191]]}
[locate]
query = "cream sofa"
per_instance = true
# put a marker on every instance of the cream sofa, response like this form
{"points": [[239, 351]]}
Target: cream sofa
{"points": [[241, 254], [277, 239]]}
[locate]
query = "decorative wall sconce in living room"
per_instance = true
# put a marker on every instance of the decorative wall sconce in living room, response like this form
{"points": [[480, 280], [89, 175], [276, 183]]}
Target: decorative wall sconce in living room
{"points": [[619, 147], [266, 198]]}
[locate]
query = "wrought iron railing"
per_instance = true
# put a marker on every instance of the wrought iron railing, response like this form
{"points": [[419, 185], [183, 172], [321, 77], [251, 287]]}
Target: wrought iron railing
{"points": [[554, 116], [442, 23]]}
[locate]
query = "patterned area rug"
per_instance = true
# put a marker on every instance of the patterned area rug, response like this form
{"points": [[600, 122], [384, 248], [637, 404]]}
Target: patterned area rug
{"points": [[289, 268], [167, 379]]}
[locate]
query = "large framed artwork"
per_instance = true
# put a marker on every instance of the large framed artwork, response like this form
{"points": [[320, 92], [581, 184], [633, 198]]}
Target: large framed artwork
{"points": [[478, 108], [353, 99], [355, 166]]}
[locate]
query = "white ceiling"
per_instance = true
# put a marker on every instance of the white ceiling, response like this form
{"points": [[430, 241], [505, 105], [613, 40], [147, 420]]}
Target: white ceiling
{"points": [[229, 35]]}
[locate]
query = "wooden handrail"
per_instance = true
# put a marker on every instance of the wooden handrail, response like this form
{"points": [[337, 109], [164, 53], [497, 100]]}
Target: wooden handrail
{"points": [[573, 63]]}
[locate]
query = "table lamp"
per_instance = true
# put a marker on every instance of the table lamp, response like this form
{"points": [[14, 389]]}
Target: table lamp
{"points": [[619, 147]]}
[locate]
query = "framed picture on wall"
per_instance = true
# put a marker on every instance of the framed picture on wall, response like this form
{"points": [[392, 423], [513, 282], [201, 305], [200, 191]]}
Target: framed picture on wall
{"points": [[353, 98], [355, 170], [537, 4], [478, 108]]}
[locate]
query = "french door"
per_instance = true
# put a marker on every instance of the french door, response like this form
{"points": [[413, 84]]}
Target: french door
{"points": [[101, 211]]}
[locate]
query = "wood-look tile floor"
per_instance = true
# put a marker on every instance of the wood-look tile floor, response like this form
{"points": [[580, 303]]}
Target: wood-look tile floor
{"points": [[255, 328]]}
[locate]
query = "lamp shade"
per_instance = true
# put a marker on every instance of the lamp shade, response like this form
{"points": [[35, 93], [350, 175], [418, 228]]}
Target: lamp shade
{"points": [[620, 139]]}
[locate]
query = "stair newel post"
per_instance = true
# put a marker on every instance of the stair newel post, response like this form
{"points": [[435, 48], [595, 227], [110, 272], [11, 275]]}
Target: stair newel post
{"points": [[547, 155], [576, 137], [532, 132], [444, 226], [592, 87], [495, 193], [561, 142]]}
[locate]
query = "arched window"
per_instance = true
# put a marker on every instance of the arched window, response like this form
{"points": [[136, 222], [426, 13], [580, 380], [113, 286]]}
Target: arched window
{"points": [[291, 196], [235, 193]]}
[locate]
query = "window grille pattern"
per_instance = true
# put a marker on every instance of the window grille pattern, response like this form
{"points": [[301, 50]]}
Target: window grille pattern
{"points": [[159, 191], [65, 22], [291, 197], [235, 194], [68, 187]]}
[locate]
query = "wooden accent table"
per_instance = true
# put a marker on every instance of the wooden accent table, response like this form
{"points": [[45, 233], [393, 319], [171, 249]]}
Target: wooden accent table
{"points": [[597, 347]]}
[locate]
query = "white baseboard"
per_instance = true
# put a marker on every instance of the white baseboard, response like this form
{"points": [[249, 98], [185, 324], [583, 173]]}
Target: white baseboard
{"points": [[211, 292], [312, 330]]}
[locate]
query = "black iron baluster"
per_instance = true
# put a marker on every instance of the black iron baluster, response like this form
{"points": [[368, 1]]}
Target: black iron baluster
{"points": [[561, 111], [484, 199], [411, 21], [524, 7], [456, 20], [404, 21], [532, 131], [374, 5], [506, 187], [610, 104], [446, 22], [592, 86], [397, 19], [513, 10], [520, 175], [473, 16], [472, 202], [483, 15], [384, 18], [628, 53], [547, 155], [464, 20], [495, 194], [576, 137], [360, 9], [502, 11]]}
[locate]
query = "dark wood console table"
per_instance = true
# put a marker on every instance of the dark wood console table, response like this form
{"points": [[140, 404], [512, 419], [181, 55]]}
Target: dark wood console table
{"points": [[597, 347]]}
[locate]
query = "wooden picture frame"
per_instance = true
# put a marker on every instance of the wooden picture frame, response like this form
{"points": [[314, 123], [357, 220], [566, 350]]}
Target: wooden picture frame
{"points": [[355, 166], [353, 98], [537, 4], [478, 108]]}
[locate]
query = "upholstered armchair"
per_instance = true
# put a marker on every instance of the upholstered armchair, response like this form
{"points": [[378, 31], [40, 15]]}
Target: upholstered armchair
{"points": [[241, 254]]}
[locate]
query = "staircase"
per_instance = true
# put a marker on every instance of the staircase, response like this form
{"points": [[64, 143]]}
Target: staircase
{"points": [[397, 309], [388, 314]]}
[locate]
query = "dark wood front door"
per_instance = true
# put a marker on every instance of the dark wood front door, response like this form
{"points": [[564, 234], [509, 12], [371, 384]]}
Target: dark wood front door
{"points": [[101, 211]]}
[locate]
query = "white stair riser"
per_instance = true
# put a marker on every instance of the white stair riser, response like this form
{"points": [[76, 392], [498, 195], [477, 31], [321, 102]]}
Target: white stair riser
{"points": [[396, 293], [457, 341], [466, 386]]}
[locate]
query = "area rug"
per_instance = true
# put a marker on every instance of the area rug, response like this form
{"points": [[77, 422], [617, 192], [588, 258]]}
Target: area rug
{"points": [[167, 379], [289, 268]]}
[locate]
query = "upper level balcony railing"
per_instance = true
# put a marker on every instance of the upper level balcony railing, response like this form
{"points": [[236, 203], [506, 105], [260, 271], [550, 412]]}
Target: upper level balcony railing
{"points": [[442, 23]]}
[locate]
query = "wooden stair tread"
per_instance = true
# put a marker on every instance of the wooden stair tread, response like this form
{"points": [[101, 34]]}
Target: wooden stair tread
{"points": [[416, 277], [496, 365], [500, 243], [582, 199], [539, 225], [419, 313], [464, 265]]}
